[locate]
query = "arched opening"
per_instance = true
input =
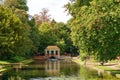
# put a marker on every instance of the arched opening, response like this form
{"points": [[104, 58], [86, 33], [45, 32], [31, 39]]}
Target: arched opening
{"points": [[52, 52], [52, 57]]}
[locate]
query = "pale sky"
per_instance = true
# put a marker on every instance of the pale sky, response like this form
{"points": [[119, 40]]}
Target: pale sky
{"points": [[55, 8]]}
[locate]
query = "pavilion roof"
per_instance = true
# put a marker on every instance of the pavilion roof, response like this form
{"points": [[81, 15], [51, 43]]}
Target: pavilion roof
{"points": [[51, 47]]}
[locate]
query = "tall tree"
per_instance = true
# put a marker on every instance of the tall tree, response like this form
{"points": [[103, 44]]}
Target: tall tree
{"points": [[12, 34], [95, 27], [63, 38], [43, 16], [34, 36], [19, 8], [46, 36], [56, 34], [19, 4]]}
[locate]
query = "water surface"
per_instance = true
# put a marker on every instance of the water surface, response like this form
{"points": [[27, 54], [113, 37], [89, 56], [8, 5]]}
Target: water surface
{"points": [[54, 70]]}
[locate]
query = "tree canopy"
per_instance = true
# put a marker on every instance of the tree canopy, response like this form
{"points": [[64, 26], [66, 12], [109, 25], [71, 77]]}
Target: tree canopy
{"points": [[15, 29], [95, 27], [12, 33]]}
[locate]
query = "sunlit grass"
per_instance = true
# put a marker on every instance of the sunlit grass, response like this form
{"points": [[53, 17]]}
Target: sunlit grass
{"points": [[27, 61], [104, 68], [118, 66], [115, 71], [4, 62], [3, 69], [109, 69], [24, 62]]}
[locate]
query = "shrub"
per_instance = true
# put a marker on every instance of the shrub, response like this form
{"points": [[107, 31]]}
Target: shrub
{"points": [[18, 58]]}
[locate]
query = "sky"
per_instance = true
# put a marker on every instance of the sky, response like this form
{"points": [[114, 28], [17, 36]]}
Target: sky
{"points": [[55, 8]]}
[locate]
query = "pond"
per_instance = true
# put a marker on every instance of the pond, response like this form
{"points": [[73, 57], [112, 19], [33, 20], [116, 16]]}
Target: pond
{"points": [[54, 70]]}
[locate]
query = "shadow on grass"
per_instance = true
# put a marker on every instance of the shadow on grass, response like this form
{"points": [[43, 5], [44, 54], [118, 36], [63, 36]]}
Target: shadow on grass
{"points": [[113, 64], [113, 72]]}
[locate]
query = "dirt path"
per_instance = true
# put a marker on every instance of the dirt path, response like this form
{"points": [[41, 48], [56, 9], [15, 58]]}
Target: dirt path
{"points": [[114, 67], [93, 64]]}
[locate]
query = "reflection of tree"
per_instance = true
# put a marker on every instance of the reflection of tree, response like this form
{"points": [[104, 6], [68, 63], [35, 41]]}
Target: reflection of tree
{"points": [[64, 70], [69, 68], [25, 73], [15, 78], [87, 74]]}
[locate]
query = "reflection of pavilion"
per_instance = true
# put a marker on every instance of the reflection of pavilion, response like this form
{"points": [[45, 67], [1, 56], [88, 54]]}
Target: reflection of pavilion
{"points": [[52, 67], [52, 51]]}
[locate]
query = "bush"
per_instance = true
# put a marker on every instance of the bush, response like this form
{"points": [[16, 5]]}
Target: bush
{"points": [[18, 58]]}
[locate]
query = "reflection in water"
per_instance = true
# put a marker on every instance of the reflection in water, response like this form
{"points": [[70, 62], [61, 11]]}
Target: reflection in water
{"points": [[52, 67], [100, 74], [55, 70]]}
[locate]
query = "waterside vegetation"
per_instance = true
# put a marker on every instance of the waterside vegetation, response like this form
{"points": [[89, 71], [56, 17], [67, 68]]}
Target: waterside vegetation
{"points": [[93, 30]]}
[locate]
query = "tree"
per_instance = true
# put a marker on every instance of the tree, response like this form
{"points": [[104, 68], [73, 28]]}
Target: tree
{"points": [[19, 7], [95, 28], [63, 38], [34, 35], [46, 36], [12, 34], [43, 16], [16, 4], [23, 46], [53, 33]]}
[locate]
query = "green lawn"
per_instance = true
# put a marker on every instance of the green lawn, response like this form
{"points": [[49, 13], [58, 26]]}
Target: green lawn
{"points": [[104, 68], [118, 66], [115, 71], [2, 70], [7, 67], [24, 62], [4, 62], [109, 69], [27, 61]]}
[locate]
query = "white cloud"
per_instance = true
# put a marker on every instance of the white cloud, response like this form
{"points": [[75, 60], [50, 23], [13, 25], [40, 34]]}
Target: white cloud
{"points": [[55, 7]]}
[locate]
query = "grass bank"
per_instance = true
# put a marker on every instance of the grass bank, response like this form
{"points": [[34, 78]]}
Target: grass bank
{"points": [[4, 65], [103, 69], [4, 62], [27, 61]]}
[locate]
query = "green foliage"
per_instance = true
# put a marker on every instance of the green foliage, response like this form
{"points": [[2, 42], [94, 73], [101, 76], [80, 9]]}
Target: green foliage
{"points": [[18, 7], [34, 36], [55, 34], [64, 41], [4, 62], [95, 28], [47, 36], [13, 4], [22, 5], [24, 45], [17, 58], [14, 39], [105, 68], [27, 61], [9, 25]]}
